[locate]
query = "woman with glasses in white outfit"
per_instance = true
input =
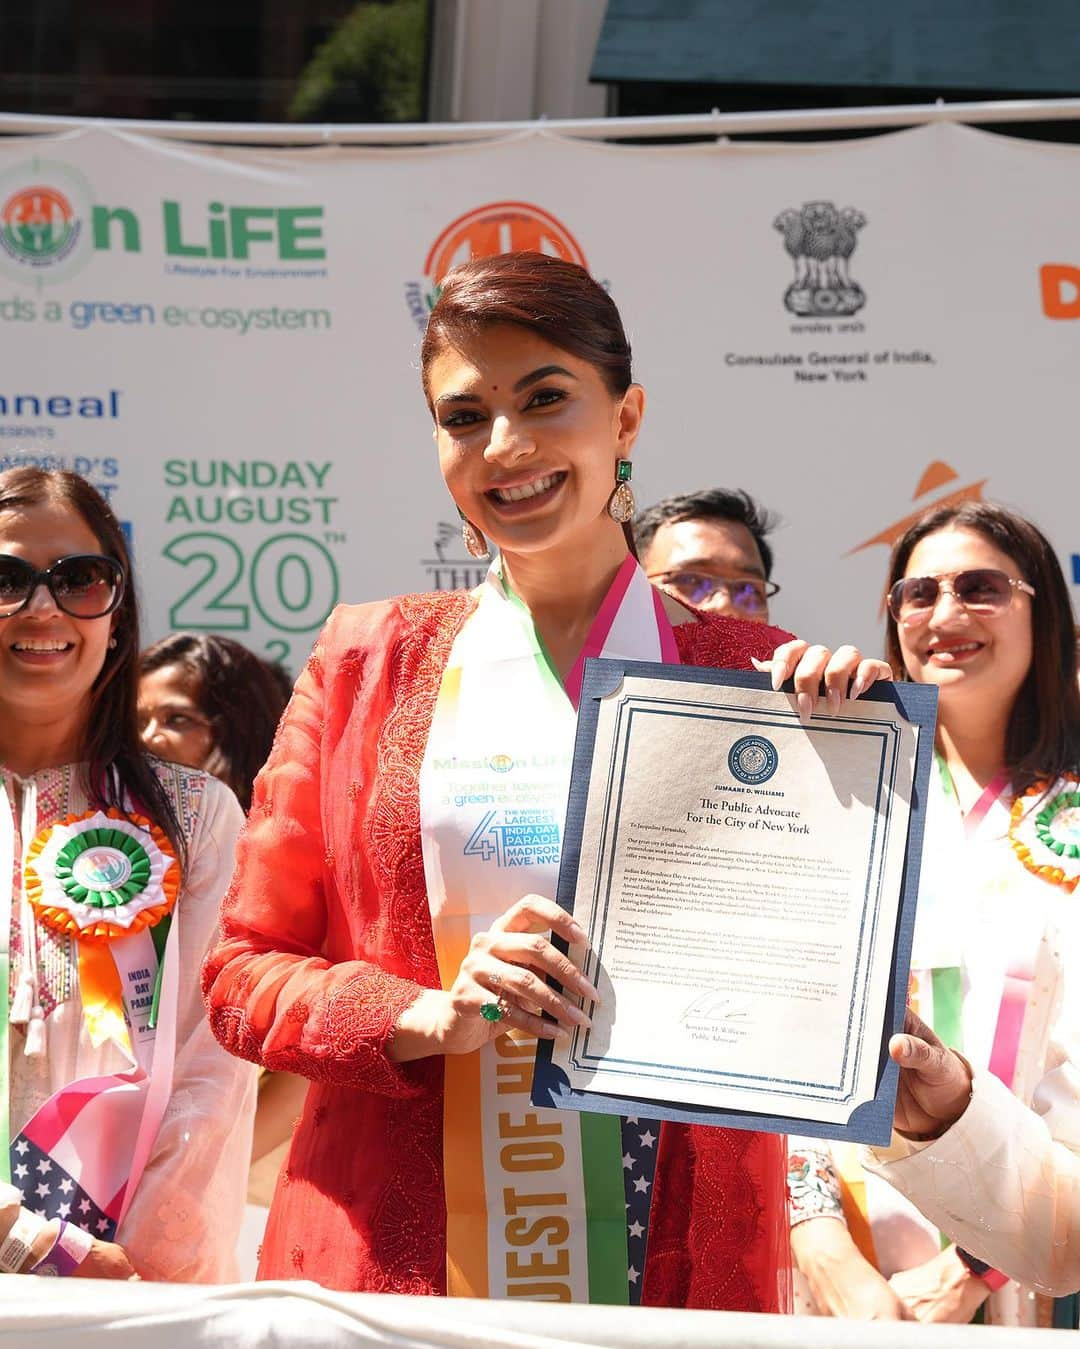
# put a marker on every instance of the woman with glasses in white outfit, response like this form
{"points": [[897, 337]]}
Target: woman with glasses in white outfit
{"points": [[978, 607], [129, 1129]]}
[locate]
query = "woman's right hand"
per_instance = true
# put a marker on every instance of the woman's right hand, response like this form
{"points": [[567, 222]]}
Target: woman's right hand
{"points": [[843, 673], [843, 1282], [507, 964], [935, 1081]]}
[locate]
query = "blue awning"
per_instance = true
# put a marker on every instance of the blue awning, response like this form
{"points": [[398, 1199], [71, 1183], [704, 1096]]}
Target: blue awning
{"points": [[1004, 46]]}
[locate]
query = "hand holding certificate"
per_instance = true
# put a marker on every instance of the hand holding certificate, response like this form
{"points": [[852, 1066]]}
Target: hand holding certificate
{"points": [[747, 886]]}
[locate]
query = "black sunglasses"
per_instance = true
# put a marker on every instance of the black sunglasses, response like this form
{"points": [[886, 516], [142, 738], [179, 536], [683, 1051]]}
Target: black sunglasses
{"points": [[82, 586]]}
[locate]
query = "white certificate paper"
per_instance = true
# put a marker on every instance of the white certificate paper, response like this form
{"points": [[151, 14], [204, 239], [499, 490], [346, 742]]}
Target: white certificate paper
{"points": [[739, 879]]}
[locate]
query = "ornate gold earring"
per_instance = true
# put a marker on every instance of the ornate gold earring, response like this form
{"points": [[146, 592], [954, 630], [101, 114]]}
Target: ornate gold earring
{"points": [[475, 543], [622, 505]]}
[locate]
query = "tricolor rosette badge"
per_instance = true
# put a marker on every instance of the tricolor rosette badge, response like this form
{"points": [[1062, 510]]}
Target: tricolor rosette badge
{"points": [[101, 875], [1045, 833]]}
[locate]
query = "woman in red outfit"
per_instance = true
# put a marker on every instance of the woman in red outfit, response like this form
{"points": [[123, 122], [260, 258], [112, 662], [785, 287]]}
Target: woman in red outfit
{"points": [[376, 942]]}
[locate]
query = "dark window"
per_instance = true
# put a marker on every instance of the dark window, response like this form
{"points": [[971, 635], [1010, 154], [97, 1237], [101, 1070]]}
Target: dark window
{"points": [[216, 60]]}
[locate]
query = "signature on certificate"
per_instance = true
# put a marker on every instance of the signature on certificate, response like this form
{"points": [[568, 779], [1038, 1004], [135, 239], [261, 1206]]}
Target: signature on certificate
{"points": [[715, 1004]]}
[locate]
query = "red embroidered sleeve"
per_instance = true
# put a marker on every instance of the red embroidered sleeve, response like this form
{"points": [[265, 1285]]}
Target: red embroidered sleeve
{"points": [[718, 1229], [272, 996], [727, 643]]}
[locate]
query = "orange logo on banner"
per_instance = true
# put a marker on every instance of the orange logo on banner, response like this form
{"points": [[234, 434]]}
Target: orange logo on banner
{"points": [[500, 227], [38, 225], [1060, 286], [938, 474]]}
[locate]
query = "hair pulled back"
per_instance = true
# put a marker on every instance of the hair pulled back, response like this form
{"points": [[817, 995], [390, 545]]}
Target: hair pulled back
{"points": [[1042, 740], [557, 300]]}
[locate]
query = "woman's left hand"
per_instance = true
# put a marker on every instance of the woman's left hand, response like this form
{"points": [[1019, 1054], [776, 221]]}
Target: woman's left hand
{"points": [[844, 672], [942, 1289]]}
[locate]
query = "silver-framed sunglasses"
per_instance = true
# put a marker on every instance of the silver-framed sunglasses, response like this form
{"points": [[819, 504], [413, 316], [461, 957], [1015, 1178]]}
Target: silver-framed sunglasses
{"points": [[981, 590]]}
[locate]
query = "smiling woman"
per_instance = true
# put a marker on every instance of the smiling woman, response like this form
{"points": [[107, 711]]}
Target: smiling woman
{"points": [[120, 863], [381, 938], [978, 607], [530, 458]]}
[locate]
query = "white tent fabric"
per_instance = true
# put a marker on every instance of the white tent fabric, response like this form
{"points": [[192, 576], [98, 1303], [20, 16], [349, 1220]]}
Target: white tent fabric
{"points": [[83, 1314]]}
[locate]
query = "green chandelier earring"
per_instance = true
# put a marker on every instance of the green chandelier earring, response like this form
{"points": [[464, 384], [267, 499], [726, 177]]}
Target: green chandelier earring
{"points": [[621, 506]]}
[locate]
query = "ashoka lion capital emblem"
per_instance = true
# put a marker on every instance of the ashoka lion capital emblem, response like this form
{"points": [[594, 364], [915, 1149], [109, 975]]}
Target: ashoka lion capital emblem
{"points": [[820, 241]]}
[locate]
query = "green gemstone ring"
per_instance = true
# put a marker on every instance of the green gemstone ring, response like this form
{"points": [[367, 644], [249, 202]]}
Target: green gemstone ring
{"points": [[491, 1011]]}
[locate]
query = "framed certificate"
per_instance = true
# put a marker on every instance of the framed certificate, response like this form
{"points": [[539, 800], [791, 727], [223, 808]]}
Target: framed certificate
{"points": [[748, 887]]}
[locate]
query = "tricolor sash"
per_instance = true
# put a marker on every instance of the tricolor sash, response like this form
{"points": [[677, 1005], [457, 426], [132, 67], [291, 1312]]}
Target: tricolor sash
{"points": [[535, 1199], [943, 985]]}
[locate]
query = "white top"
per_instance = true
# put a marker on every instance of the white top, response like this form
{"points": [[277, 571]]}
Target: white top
{"points": [[1001, 1181], [185, 1216], [980, 908], [982, 913]]}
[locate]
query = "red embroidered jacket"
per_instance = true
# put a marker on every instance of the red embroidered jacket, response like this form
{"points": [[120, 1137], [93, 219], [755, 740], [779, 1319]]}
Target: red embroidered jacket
{"points": [[327, 939]]}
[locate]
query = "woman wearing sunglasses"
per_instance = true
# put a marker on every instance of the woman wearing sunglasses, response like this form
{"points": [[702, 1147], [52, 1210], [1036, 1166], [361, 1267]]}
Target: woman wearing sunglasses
{"points": [[124, 1130], [978, 607]]}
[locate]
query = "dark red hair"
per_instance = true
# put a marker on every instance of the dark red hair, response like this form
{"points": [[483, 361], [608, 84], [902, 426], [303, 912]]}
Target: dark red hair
{"points": [[558, 301]]}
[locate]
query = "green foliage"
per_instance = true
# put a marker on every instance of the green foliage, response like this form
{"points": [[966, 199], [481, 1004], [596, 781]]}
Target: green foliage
{"points": [[374, 60]]}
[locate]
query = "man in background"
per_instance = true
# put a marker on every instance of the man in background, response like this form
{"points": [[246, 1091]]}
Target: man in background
{"points": [[709, 549]]}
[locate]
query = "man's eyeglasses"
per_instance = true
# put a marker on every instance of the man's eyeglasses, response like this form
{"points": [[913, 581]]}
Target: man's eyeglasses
{"points": [[83, 585], [984, 591], [748, 594]]}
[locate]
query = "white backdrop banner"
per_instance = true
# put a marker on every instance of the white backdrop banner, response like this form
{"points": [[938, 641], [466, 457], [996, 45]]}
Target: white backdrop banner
{"points": [[226, 343]]}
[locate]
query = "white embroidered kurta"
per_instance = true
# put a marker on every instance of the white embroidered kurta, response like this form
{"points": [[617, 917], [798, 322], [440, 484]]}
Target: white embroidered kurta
{"points": [[184, 1218], [1001, 1183], [982, 912]]}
